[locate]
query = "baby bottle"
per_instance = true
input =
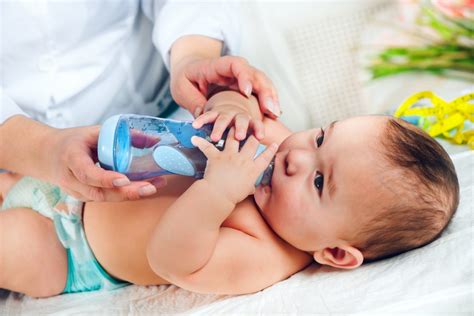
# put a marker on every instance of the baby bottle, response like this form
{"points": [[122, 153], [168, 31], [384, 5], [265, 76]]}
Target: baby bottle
{"points": [[142, 147]]}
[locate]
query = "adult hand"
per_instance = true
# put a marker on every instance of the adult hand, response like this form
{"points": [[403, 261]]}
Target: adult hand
{"points": [[71, 157], [192, 77]]}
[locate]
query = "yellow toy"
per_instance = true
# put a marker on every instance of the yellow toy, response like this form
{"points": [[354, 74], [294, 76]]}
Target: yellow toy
{"points": [[452, 120]]}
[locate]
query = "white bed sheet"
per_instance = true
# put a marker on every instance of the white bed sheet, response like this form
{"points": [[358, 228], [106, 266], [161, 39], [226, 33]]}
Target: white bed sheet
{"points": [[437, 279]]}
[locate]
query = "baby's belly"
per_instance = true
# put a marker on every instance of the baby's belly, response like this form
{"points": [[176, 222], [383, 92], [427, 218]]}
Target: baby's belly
{"points": [[118, 233]]}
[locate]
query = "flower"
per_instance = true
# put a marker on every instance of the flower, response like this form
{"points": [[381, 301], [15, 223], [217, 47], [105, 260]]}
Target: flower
{"points": [[447, 30]]}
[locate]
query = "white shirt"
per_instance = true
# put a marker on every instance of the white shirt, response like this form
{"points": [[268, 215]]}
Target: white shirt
{"points": [[70, 63]]}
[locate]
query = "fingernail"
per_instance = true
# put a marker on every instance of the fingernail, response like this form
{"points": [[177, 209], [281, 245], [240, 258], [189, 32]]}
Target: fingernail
{"points": [[120, 182], [271, 106], [195, 140], [278, 108], [147, 190], [247, 89]]}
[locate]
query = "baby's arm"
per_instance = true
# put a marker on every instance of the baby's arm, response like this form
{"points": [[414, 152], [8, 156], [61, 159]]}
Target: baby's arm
{"points": [[225, 106], [185, 237], [189, 247]]}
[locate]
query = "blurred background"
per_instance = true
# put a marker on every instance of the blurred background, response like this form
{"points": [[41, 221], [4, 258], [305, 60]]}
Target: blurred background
{"points": [[323, 56]]}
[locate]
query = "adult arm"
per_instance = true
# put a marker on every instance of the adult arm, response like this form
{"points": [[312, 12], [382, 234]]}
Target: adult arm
{"points": [[64, 157], [191, 44]]}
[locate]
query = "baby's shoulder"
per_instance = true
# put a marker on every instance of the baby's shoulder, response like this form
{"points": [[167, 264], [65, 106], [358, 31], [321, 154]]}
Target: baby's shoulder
{"points": [[247, 218]]}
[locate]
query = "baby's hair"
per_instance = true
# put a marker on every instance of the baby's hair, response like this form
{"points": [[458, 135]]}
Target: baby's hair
{"points": [[425, 194]]}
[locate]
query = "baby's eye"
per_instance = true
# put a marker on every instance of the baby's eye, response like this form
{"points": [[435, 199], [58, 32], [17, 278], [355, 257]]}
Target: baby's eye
{"points": [[319, 182], [320, 138]]}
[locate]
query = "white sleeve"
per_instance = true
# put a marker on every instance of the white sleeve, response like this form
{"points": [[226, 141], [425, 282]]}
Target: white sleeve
{"points": [[173, 19], [8, 107]]}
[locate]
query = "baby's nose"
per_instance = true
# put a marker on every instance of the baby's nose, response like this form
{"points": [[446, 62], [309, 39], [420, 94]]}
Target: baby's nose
{"points": [[297, 161]]}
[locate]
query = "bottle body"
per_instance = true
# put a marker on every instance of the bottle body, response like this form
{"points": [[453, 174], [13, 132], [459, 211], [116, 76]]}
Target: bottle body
{"points": [[142, 147]]}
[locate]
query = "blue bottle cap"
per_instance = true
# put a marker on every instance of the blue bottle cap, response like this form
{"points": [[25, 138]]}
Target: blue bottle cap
{"points": [[105, 146]]}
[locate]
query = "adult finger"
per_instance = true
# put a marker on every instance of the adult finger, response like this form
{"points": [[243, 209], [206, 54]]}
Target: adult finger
{"points": [[266, 94], [131, 191], [135, 191], [236, 67], [186, 94], [80, 190], [250, 79], [85, 171]]}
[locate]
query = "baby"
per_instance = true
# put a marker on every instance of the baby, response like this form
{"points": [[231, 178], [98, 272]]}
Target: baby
{"points": [[359, 190]]}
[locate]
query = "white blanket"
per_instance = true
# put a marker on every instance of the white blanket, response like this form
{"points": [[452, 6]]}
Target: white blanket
{"points": [[434, 279]]}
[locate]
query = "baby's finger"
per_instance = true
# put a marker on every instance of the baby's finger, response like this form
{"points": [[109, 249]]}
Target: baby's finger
{"points": [[205, 118], [267, 95], [222, 122], [241, 126], [231, 144], [204, 146], [250, 147], [258, 129], [264, 159]]}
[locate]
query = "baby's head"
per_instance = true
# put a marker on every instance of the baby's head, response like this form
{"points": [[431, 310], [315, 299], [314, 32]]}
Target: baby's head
{"points": [[362, 189]]}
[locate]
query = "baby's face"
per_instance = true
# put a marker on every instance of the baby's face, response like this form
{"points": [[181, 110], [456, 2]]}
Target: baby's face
{"points": [[324, 183]]}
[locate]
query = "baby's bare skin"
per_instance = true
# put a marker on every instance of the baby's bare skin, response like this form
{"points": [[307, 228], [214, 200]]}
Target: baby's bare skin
{"points": [[191, 235], [118, 233]]}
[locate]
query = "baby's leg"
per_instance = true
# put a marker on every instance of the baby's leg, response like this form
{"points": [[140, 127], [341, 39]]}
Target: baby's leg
{"points": [[32, 259], [7, 181]]}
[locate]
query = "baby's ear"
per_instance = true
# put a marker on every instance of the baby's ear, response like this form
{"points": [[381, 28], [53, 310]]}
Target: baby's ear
{"points": [[343, 257]]}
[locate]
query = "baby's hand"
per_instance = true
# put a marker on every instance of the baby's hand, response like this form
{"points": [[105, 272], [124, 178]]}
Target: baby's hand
{"points": [[226, 115], [231, 172]]}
